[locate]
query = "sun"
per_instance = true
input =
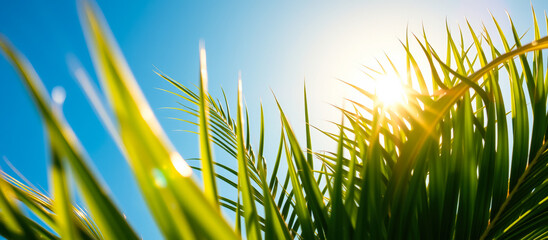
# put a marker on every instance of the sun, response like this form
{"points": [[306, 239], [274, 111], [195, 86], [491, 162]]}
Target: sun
{"points": [[389, 91]]}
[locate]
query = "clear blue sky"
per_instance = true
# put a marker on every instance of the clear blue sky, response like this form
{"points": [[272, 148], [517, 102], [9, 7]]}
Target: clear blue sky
{"points": [[275, 45]]}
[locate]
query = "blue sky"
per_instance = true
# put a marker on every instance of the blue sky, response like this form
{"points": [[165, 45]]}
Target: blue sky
{"points": [[275, 46]]}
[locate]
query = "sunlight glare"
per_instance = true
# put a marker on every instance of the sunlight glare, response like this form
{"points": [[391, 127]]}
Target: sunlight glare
{"points": [[389, 90], [180, 165]]}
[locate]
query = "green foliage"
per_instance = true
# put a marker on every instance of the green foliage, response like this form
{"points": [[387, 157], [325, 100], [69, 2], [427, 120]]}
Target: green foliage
{"points": [[437, 166]]}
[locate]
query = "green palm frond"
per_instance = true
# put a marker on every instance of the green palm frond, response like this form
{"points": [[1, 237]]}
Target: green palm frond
{"points": [[447, 162]]}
